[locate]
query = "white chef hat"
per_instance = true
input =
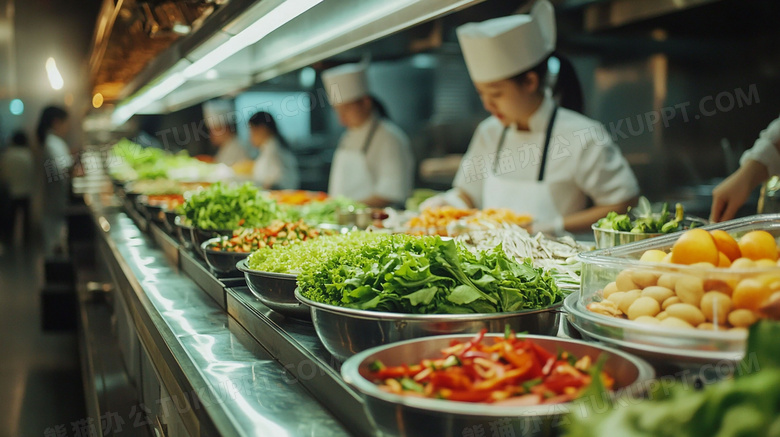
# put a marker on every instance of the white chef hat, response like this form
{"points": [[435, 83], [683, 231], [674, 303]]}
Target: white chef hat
{"points": [[504, 47], [345, 83], [219, 114]]}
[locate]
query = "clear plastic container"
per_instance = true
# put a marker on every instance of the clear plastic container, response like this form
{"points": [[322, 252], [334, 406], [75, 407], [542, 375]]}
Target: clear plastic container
{"points": [[602, 267]]}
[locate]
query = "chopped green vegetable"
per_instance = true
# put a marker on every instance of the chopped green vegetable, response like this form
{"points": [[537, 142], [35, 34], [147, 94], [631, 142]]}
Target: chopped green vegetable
{"points": [[642, 219], [426, 275], [411, 385], [296, 257], [376, 366], [229, 207], [746, 406]]}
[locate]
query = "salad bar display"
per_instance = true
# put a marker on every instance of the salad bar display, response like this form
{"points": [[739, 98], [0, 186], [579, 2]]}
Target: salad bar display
{"points": [[448, 321]]}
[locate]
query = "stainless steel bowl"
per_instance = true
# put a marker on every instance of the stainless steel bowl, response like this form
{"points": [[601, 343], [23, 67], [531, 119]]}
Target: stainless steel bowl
{"points": [[170, 221], [183, 232], [346, 331], [408, 416], [221, 261], [275, 290], [199, 236], [610, 238]]}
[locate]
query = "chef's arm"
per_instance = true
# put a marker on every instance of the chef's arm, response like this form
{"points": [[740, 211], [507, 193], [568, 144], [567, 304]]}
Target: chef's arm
{"points": [[454, 197], [581, 221]]}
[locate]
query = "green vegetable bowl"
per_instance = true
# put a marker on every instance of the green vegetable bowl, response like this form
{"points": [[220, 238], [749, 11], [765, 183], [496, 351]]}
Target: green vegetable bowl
{"points": [[606, 238], [347, 331]]}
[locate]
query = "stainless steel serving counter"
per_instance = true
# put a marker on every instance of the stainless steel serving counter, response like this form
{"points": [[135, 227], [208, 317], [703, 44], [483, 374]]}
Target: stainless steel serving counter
{"points": [[201, 370]]}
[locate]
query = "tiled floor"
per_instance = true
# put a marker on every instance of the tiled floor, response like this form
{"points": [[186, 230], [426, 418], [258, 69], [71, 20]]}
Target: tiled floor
{"points": [[40, 380]]}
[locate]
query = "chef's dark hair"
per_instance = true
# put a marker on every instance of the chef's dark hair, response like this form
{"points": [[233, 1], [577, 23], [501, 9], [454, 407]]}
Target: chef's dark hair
{"points": [[265, 119], [19, 138], [567, 86], [49, 115], [379, 107]]}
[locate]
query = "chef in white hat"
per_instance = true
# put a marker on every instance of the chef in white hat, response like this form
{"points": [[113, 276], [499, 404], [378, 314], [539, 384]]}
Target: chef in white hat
{"points": [[373, 163], [530, 155], [220, 120]]}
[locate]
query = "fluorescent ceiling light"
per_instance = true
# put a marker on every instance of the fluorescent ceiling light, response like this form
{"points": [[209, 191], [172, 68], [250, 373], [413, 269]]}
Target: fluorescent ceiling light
{"points": [[266, 24], [55, 78], [151, 95], [274, 19]]}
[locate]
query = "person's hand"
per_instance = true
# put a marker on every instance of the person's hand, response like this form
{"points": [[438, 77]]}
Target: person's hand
{"points": [[734, 191], [436, 201], [452, 197]]}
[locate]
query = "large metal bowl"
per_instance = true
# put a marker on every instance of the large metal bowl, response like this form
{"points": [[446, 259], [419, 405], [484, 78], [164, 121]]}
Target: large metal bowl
{"points": [[183, 232], [221, 262], [199, 236], [606, 238], [346, 331], [275, 290], [170, 221], [408, 416]]}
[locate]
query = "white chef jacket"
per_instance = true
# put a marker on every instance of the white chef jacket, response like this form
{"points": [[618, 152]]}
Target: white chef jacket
{"points": [[389, 159], [276, 167], [17, 170], [231, 153], [582, 160], [764, 150], [57, 150]]}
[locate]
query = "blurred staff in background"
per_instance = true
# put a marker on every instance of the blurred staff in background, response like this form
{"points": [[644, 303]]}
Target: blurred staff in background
{"points": [[373, 163], [756, 166], [18, 174], [53, 127], [223, 132], [508, 60], [276, 167]]}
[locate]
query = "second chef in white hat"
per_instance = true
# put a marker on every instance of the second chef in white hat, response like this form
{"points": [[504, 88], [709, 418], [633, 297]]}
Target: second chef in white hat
{"points": [[531, 155], [373, 162]]}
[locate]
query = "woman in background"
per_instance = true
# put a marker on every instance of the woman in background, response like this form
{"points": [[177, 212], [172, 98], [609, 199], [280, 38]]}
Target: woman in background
{"points": [[373, 163], [528, 155], [53, 127], [276, 167], [18, 172]]}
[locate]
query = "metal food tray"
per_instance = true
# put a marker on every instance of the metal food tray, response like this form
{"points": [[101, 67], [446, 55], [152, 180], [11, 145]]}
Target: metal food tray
{"points": [[296, 346], [165, 242], [199, 272]]}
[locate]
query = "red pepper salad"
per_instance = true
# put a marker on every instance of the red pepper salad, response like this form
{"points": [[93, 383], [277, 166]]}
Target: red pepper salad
{"points": [[511, 371], [278, 233]]}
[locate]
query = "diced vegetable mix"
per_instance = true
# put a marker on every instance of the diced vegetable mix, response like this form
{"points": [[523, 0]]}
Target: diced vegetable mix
{"points": [[511, 371], [643, 220], [426, 275], [277, 234], [230, 207]]}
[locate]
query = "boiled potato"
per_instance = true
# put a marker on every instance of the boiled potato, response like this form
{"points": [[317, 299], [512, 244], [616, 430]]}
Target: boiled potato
{"points": [[674, 322], [662, 315], [644, 278], [643, 306], [647, 320], [689, 289], [668, 280], [625, 282], [716, 303], [658, 293], [609, 289], [628, 299], [687, 312], [616, 296], [671, 301], [742, 318]]}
